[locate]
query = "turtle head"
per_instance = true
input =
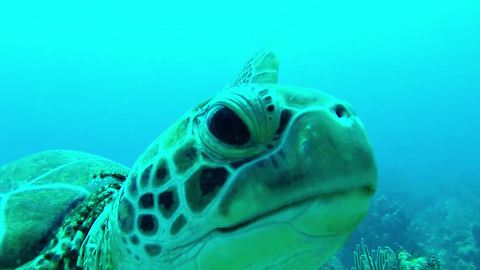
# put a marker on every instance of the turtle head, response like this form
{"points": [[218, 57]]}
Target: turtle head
{"points": [[262, 175]]}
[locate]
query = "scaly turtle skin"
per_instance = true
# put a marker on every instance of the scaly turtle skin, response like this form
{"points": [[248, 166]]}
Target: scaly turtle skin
{"points": [[262, 176]]}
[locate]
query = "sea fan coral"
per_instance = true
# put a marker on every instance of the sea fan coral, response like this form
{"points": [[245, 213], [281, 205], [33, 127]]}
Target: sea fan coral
{"points": [[379, 259]]}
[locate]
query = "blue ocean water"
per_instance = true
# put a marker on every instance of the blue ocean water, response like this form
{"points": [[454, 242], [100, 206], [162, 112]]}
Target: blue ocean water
{"points": [[108, 78]]}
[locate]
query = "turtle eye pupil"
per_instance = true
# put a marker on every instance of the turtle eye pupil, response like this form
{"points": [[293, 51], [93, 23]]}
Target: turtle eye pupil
{"points": [[227, 126]]}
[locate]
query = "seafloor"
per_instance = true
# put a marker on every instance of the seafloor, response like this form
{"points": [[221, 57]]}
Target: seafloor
{"points": [[437, 231]]}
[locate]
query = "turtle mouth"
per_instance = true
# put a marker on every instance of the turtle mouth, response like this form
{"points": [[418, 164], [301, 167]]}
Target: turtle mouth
{"points": [[366, 191]]}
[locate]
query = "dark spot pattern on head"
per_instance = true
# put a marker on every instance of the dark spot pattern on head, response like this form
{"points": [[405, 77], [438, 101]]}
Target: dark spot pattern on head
{"points": [[263, 92], [132, 186], [126, 212], [240, 163], [146, 201], [146, 176], [202, 186], [285, 117], [168, 202], [161, 174], [178, 225], [211, 179], [152, 249], [185, 157], [147, 224], [134, 239]]}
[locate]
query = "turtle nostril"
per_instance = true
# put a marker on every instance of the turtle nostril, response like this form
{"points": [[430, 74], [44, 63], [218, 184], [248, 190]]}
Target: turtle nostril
{"points": [[340, 111]]}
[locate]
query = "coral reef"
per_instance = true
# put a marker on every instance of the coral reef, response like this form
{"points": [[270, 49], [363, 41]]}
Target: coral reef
{"points": [[381, 259], [446, 229], [408, 262], [476, 234], [386, 224], [384, 258], [438, 228]]}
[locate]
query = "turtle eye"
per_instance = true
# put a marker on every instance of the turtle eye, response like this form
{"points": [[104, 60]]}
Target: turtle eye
{"points": [[227, 126]]}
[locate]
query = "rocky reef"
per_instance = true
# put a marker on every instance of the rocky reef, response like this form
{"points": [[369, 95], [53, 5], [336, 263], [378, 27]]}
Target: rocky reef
{"points": [[447, 229], [476, 234], [417, 233]]}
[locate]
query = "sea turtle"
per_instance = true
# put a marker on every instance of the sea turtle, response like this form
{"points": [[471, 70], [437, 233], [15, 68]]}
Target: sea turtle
{"points": [[261, 176]]}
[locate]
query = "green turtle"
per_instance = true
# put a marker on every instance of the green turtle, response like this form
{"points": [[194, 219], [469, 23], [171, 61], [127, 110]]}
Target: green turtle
{"points": [[261, 176]]}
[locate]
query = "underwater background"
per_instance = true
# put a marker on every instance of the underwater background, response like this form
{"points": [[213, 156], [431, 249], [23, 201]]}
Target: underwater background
{"points": [[109, 77]]}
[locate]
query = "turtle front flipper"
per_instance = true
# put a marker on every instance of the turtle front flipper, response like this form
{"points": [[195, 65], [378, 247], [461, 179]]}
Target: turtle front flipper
{"points": [[66, 249], [37, 192]]}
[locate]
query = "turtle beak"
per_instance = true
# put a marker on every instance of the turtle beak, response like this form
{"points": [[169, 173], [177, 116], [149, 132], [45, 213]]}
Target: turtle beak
{"points": [[329, 150], [324, 153]]}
